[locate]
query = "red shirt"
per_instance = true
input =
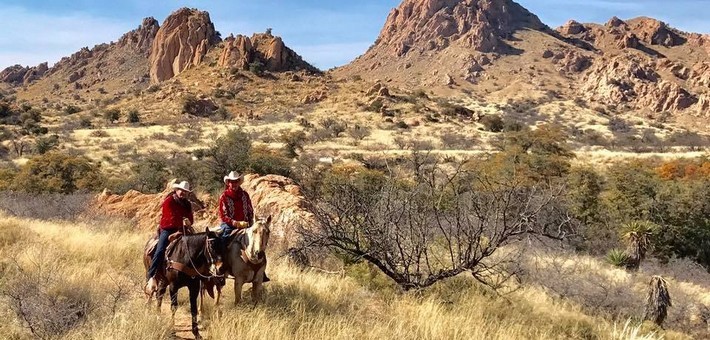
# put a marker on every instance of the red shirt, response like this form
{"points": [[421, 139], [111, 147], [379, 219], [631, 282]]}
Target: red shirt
{"points": [[235, 205], [174, 211]]}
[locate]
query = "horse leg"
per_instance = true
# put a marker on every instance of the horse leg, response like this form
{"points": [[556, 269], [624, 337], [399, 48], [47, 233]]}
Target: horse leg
{"points": [[238, 283], [159, 296], [256, 291], [173, 299], [216, 301], [194, 288]]}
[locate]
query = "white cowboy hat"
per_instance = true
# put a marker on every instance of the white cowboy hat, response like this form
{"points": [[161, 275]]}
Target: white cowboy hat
{"points": [[184, 185], [233, 176]]}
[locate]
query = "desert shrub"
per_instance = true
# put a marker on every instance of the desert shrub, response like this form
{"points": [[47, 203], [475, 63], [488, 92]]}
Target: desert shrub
{"points": [[47, 304], [264, 161], [257, 67], [454, 110], [198, 107], [150, 174], [618, 125], [334, 126], [617, 258], [222, 93], [45, 206], [46, 144], [293, 142], [389, 218], [401, 125], [98, 133], [359, 132], [70, 110], [153, 88], [692, 140], [112, 115], [454, 140], [230, 152], [493, 123], [133, 116], [376, 105], [56, 172], [195, 172]]}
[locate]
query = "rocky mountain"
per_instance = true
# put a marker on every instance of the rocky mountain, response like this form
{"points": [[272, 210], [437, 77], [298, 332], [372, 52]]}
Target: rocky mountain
{"points": [[495, 48]]}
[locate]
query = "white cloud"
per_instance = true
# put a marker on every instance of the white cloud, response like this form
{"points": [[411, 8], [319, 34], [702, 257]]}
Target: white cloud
{"points": [[29, 38]]}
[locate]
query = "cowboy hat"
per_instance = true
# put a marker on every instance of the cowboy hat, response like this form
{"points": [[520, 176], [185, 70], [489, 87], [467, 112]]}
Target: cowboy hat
{"points": [[184, 185], [233, 176]]}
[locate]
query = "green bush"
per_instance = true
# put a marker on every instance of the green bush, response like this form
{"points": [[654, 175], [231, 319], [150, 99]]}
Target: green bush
{"points": [[70, 110], [293, 142], [267, 162], [230, 152], [133, 116], [46, 144], [493, 123], [256, 67], [150, 174], [112, 115], [617, 258], [56, 172]]}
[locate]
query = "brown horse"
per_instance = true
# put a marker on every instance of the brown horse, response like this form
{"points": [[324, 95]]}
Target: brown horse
{"points": [[245, 259], [189, 260]]}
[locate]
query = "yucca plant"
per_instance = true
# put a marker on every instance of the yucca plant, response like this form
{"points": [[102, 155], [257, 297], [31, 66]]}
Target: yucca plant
{"points": [[617, 258], [638, 237]]}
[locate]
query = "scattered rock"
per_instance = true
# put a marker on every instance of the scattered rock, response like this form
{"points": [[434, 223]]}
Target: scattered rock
{"points": [[315, 97]]}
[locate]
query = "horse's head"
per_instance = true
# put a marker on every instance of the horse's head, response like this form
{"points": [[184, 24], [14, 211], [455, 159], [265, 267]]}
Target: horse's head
{"points": [[258, 236], [215, 247]]}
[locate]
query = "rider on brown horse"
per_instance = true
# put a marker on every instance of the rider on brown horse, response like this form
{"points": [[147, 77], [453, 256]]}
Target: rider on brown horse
{"points": [[175, 209]]}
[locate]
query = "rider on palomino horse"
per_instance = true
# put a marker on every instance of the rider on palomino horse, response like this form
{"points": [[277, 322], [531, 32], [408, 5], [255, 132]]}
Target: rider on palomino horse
{"points": [[235, 208], [175, 208]]}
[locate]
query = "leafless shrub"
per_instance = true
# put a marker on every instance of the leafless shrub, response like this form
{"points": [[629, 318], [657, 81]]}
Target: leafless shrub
{"points": [[436, 226], [44, 206], [453, 140], [45, 304]]}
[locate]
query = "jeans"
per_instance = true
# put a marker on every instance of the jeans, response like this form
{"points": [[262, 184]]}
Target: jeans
{"points": [[226, 230], [159, 254]]}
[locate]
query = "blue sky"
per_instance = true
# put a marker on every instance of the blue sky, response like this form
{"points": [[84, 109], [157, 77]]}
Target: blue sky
{"points": [[325, 32]]}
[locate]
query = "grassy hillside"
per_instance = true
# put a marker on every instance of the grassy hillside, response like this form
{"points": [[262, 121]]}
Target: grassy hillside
{"points": [[82, 280]]}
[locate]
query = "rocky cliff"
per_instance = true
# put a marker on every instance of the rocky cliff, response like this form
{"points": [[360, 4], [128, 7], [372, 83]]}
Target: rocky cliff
{"points": [[181, 42]]}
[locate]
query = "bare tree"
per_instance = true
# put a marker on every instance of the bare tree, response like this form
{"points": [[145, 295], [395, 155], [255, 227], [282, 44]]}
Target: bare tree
{"points": [[437, 223]]}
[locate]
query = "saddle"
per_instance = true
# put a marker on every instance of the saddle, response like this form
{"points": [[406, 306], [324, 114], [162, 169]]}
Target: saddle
{"points": [[153, 244]]}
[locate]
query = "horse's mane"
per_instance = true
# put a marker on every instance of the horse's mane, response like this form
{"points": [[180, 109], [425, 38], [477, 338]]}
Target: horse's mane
{"points": [[195, 243]]}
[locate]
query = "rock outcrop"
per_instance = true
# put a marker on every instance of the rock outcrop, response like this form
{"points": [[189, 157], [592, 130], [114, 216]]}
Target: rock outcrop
{"points": [[181, 42], [19, 75], [635, 81], [141, 39], [264, 48]]}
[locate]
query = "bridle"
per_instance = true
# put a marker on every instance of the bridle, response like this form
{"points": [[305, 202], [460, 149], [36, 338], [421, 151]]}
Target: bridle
{"points": [[209, 255]]}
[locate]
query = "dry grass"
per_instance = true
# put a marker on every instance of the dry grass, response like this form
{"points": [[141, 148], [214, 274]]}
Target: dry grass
{"points": [[101, 264]]}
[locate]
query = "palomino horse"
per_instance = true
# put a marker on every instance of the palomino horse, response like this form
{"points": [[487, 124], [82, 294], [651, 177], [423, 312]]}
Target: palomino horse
{"points": [[189, 260], [245, 259]]}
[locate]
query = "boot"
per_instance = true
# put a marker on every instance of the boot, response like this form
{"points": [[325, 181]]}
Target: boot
{"points": [[266, 278]]}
